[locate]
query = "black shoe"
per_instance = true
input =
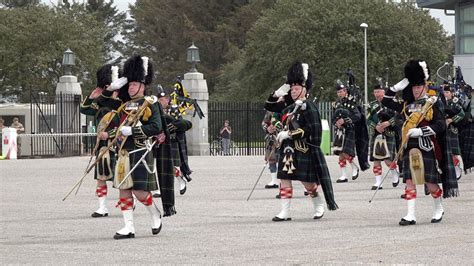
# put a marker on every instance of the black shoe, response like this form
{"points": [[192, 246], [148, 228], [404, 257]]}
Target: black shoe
{"points": [[306, 193], [396, 184], [434, 221], [341, 180], [119, 236], [354, 177], [187, 177], [403, 196], [182, 191], [97, 215], [375, 187], [404, 222], [365, 166], [155, 231], [318, 217], [156, 195], [278, 219], [271, 186], [278, 196]]}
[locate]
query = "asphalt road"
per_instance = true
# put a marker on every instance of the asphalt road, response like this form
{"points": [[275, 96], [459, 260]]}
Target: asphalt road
{"points": [[216, 225]]}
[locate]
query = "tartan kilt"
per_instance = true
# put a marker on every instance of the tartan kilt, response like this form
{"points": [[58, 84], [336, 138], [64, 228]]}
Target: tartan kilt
{"points": [[271, 157], [453, 138], [142, 179], [175, 158], [349, 141], [303, 162], [466, 137], [113, 160], [391, 144], [429, 162]]}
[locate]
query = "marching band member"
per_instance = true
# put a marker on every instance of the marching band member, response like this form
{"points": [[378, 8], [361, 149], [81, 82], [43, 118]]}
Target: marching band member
{"points": [[454, 115], [132, 136], [300, 155], [102, 114], [345, 115], [382, 122], [425, 148], [271, 153], [176, 125]]}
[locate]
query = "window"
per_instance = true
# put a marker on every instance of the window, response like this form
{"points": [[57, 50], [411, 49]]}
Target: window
{"points": [[466, 29]]}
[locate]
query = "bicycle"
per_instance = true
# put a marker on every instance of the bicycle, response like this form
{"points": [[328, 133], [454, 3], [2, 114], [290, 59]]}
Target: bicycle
{"points": [[216, 148]]}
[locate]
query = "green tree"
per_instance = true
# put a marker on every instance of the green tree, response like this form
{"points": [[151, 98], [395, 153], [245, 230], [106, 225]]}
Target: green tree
{"points": [[326, 35], [32, 43], [113, 22], [163, 29]]}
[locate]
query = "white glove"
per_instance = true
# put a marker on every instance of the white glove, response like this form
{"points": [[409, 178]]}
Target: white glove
{"points": [[400, 85], [126, 130], [117, 84], [282, 136], [282, 91], [415, 133]]}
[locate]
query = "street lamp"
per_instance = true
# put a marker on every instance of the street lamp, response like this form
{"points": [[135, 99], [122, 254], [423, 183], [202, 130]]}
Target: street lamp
{"points": [[193, 57], [365, 26], [68, 61]]}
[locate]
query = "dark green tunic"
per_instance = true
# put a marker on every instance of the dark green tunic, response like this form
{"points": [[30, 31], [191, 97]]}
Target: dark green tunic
{"points": [[310, 165]]}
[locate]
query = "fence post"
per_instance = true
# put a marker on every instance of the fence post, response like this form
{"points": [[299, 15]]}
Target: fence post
{"points": [[197, 137]]}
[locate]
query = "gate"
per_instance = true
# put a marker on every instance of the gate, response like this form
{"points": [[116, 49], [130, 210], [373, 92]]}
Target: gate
{"points": [[245, 119], [55, 114]]}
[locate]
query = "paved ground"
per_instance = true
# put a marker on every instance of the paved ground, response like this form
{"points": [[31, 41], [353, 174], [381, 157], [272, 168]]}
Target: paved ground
{"points": [[216, 225]]}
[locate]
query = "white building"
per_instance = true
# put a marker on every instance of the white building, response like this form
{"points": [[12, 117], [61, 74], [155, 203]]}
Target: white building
{"points": [[464, 31]]}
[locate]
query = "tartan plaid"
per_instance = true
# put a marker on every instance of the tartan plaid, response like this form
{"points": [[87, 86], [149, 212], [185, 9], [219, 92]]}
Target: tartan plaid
{"points": [[466, 137], [89, 107], [310, 166], [183, 152], [362, 140], [165, 170], [453, 138], [113, 160], [142, 179], [429, 161], [349, 141], [175, 159]]}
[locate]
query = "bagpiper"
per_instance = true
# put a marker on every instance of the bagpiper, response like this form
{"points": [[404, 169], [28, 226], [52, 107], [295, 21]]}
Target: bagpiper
{"points": [[139, 120], [424, 150], [345, 115], [103, 117], [300, 154], [177, 126], [454, 115], [270, 127], [382, 130]]}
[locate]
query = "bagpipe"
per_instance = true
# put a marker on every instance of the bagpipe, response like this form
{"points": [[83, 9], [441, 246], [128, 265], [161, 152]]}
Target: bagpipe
{"points": [[462, 92], [343, 109], [131, 120], [181, 102], [352, 89]]}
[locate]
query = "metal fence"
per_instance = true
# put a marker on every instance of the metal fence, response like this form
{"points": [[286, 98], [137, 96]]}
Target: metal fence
{"points": [[51, 116], [245, 119]]}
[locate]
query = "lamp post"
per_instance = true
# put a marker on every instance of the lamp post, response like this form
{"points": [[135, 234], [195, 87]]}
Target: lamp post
{"points": [[68, 61], [193, 57], [365, 26]]}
